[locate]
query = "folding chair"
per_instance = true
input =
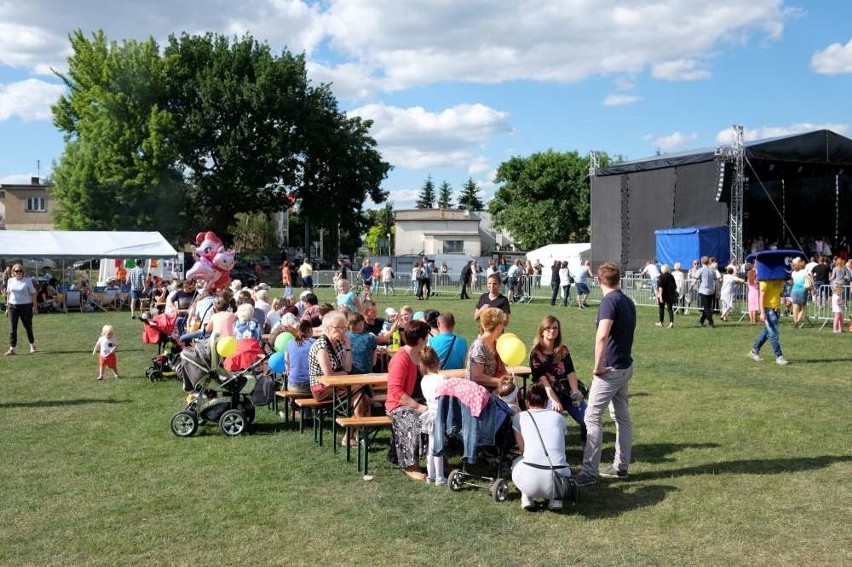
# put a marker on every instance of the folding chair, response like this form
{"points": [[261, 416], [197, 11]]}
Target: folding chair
{"points": [[74, 300]]}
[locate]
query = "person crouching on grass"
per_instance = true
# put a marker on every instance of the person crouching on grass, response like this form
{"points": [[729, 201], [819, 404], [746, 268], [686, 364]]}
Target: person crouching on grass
{"points": [[106, 345]]}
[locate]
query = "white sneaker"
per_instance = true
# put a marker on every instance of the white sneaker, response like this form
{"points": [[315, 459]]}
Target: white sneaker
{"points": [[781, 360], [33, 349], [9, 352], [754, 356]]}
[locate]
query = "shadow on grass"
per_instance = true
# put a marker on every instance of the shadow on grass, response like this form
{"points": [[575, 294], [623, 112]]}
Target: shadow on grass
{"points": [[752, 466], [659, 452], [619, 499], [60, 403]]}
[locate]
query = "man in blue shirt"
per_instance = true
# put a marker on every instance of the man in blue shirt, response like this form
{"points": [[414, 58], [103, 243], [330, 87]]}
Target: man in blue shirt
{"points": [[616, 324], [451, 348]]}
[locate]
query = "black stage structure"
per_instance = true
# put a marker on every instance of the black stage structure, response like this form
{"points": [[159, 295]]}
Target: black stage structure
{"points": [[794, 187]]}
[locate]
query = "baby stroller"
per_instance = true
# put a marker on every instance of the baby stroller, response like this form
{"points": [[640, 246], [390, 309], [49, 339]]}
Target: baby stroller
{"points": [[162, 331], [486, 423], [216, 394]]}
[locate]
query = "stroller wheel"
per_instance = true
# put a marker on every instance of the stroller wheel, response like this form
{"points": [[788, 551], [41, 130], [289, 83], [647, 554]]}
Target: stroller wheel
{"points": [[499, 490], [184, 424], [454, 480], [154, 375], [232, 422]]}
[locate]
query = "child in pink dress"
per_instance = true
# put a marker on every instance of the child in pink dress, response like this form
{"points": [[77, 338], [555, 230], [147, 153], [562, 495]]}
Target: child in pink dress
{"points": [[753, 296]]}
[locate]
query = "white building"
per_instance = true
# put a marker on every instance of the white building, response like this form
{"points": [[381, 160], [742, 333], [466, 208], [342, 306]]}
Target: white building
{"points": [[446, 231]]}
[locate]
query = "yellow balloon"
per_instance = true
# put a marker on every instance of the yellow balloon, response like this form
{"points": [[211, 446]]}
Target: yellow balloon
{"points": [[226, 346], [505, 339], [512, 352]]}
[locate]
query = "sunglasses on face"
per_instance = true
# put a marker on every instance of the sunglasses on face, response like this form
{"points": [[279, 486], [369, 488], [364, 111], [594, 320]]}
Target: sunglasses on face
{"points": [[17, 271]]}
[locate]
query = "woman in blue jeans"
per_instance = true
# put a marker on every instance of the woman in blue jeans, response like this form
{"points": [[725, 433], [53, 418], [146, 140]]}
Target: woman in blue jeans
{"points": [[553, 368]]}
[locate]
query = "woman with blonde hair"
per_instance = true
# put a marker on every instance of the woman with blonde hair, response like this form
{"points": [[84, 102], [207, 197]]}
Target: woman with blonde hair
{"points": [[798, 292], [483, 363], [21, 305]]}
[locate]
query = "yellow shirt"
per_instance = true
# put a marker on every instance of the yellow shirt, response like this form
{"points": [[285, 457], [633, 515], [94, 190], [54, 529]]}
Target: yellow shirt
{"points": [[306, 270], [771, 291]]}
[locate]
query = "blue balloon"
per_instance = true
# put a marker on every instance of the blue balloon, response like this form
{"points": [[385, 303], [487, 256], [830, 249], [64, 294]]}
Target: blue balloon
{"points": [[277, 363], [419, 316]]}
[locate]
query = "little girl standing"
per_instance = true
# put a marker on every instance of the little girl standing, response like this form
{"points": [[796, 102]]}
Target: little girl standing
{"points": [[107, 346], [430, 364], [837, 308]]}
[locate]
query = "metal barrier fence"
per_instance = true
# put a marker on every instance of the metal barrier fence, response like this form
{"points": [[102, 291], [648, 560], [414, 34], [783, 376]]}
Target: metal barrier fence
{"points": [[531, 290]]}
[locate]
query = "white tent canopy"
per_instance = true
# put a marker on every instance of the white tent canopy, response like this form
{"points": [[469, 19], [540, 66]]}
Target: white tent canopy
{"points": [[574, 253], [58, 244]]}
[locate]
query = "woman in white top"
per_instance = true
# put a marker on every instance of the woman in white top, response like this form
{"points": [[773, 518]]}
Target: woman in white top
{"points": [[540, 434], [21, 305]]}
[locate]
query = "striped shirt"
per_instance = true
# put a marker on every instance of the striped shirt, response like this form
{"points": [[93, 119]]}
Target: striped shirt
{"points": [[136, 277]]}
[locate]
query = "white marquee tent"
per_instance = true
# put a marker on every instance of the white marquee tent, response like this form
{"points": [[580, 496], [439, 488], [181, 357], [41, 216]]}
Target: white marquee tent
{"points": [[59, 244], [573, 253]]}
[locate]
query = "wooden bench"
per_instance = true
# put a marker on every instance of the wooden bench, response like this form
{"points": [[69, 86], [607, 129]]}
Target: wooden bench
{"points": [[289, 399], [318, 409], [370, 426]]}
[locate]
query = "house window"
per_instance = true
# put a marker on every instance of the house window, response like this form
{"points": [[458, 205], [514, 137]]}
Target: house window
{"points": [[453, 246], [35, 204]]}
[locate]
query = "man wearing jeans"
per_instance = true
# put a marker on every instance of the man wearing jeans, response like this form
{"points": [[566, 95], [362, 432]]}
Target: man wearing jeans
{"points": [[616, 324], [770, 306]]}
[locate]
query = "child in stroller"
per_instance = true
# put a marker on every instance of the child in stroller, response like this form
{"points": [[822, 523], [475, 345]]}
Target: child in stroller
{"points": [[162, 331], [216, 394]]}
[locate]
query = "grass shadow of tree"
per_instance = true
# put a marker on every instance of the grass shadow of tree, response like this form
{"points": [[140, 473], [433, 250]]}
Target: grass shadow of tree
{"points": [[748, 466], [60, 403]]}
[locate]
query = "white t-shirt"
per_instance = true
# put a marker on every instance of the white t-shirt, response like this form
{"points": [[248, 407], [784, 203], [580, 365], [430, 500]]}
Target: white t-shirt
{"points": [[106, 345], [429, 385], [20, 292], [551, 425]]}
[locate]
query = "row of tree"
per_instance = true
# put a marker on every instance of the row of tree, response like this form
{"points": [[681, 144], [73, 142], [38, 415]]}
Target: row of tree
{"points": [[187, 137], [540, 199], [468, 198]]}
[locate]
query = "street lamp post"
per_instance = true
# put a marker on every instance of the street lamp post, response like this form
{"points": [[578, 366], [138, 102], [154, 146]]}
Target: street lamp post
{"points": [[390, 252]]}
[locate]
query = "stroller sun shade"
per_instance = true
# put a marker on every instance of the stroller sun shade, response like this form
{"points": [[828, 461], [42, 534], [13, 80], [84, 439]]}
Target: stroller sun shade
{"points": [[195, 363]]}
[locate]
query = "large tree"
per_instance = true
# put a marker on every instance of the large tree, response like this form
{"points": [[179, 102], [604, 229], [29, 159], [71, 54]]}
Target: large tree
{"points": [[543, 198], [426, 197], [469, 196], [118, 168], [224, 123], [445, 196]]}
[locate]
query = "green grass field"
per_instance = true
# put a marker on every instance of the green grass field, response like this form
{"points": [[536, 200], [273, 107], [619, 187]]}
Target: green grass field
{"points": [[735, 462]]}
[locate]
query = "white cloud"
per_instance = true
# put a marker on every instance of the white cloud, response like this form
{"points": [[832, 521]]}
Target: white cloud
{"points": [[29, 99], [680, 70], [479, 165], [369, 45], [416, 138], [674, 141], [620, 99], [833, 60], [725, 136]]}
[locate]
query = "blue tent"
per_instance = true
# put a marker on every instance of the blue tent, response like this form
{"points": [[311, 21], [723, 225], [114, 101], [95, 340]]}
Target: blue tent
{"points": [[691, 243]]}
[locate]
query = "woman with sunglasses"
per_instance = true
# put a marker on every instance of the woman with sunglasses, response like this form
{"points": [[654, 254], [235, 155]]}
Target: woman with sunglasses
{"points": [[21, 305], [552, 367]]}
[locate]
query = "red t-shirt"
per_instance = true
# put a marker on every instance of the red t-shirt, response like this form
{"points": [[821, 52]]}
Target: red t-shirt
{"points": [[402, 375]]}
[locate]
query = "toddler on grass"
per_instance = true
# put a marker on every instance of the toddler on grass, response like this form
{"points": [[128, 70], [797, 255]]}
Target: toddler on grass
{"points": [[106, 345]]}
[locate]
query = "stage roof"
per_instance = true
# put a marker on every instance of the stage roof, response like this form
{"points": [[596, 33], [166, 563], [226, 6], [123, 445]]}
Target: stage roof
{"points": [[817, 153]]}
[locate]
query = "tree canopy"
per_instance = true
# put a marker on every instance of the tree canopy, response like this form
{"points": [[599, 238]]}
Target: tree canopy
{"points": [[469, 196], [207, 129], [445, 196], [544, 198], [426, 197]]}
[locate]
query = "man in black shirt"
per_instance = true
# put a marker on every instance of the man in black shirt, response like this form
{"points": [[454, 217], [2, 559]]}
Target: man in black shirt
{"points": [[554, 281], [466, 272], [821, 273]]}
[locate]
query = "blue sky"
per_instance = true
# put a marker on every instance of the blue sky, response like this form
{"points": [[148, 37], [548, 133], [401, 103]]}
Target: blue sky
{"points": [[456, 88]]}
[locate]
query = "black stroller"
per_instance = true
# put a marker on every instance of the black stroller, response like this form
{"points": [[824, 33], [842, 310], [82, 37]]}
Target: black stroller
{"points": [[491, 431]]}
